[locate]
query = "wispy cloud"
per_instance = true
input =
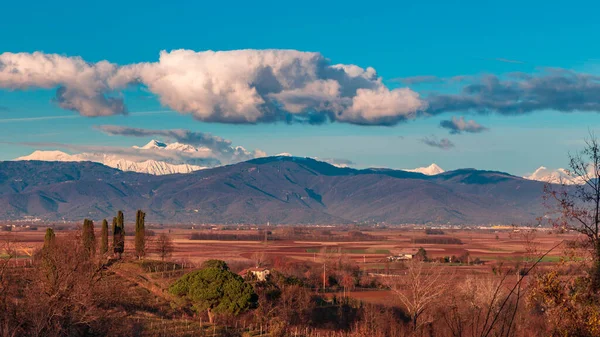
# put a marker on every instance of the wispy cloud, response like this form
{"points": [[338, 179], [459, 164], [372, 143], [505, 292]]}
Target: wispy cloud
{"points": [[417, 79], [220, 147], [459, 125], [46, 118], [33, 119], [501, 59], [444, 143]]}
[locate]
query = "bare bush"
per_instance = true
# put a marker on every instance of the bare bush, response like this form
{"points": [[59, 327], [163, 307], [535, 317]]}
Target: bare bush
{"points": [[423, 284]]}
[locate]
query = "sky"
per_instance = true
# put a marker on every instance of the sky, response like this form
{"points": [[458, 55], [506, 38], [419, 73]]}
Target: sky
{"points": [[508, 86]]}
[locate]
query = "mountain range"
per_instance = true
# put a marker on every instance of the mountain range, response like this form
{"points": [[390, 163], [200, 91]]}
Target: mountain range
{"points": [[558, 176], [281, 189], [124, 163], [146, 164]]}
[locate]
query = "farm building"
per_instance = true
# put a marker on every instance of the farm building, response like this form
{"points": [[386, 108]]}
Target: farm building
{"points": [[401, 257], [259, 273]]}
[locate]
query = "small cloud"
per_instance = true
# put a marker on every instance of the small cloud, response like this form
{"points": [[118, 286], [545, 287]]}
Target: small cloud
{"points": [[417, 79], [461, 78], [339, 162], [501, 59], [459, 125], [444, 143]]}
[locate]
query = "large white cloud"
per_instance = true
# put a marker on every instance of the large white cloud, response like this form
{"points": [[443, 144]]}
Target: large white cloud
{"points": [[81, 86], [240, 86]]}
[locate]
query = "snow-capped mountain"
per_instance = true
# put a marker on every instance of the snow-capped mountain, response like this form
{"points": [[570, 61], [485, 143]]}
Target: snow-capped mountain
{"points": [[124, 163], [179, 147], [558, 176], [153, 144], [430, 170]]}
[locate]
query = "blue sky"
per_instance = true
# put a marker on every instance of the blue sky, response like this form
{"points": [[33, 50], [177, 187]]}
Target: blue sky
{"points": [[399, 39]]}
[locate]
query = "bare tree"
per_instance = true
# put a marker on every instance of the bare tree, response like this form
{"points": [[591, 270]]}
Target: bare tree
{"points": [[9, 323], [422, 285], [61, 296], [578, 207], [164, 246], [531, 245], [486, 307], [259, 258], [483, 306]]}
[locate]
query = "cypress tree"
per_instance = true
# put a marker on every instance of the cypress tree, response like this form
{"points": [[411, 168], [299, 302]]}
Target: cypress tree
{"points": [[140, 234], [47, 253], [114, 233], [104, 246], [121, 221], [89, 237], [84, 232], [50, 238], [120, 234]]}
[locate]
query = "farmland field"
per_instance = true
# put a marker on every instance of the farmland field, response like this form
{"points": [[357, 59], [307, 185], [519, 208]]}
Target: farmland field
{"points": [[490, 247]]}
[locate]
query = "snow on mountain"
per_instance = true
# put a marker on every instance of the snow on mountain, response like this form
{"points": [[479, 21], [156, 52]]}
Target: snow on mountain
{"points": [[430, 170], [152, 167], [50, 156], [153, 144], [558, 176], [182, 147], [149, 166]]}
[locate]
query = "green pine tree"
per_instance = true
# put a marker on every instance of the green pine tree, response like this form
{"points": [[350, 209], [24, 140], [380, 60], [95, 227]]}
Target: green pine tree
{"points": [[215, 290], [104, 244], [140, 234]]}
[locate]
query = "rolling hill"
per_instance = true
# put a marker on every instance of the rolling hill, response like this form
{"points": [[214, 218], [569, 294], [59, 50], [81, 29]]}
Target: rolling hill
{"points": [[278, 189]]}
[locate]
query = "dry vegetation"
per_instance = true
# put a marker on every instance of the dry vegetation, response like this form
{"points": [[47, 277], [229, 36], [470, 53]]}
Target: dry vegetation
{"points": [[334, 287]]}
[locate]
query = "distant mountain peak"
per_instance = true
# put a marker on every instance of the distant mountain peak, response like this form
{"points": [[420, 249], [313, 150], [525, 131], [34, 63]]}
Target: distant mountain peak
{"points": [[153, 144], [48, 156], [149, 166], [430, 170], [557, 176]]}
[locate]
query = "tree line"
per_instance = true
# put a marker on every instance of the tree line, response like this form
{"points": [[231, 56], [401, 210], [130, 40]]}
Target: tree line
{"points": [[162, 244]]}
